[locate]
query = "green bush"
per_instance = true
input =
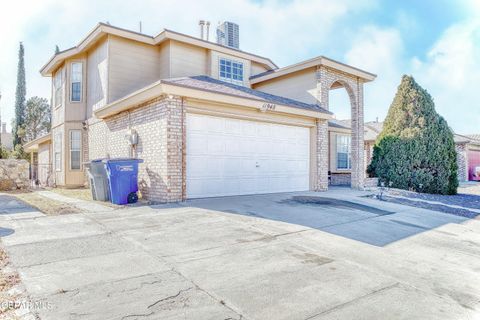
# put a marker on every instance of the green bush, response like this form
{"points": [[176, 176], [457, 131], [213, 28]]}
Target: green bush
{"points": [[415, 150], [4, 153], [19, 153]]}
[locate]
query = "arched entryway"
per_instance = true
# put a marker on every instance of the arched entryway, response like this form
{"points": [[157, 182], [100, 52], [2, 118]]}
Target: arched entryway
{"points": [[332, 79]]}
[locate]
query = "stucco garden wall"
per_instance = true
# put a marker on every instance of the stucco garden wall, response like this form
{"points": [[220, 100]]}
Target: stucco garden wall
{"points": [[14, 174]]}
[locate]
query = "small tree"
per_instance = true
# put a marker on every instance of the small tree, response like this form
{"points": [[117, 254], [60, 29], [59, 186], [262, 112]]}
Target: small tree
{"points": [[20, 94], [415, 149], [4, 153], [37, 118], [19, 153]]}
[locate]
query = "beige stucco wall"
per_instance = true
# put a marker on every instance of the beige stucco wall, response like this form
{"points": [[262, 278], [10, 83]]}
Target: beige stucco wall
{"points": [[44, 164], [187, 60], [256, 68], [75, 111], [301, 85], [131, 66], [164, 60], [97, 77]]}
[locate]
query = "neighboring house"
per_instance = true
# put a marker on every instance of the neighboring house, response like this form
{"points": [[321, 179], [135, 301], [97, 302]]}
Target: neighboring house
{"points": [[466, 146], [6, 137], [468, 157], [41, 160], [208, 120]]}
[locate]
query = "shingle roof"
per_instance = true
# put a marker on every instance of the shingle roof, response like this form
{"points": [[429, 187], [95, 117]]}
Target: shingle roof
{"points": [[375, 125], [457, 138], [342, 124], [217, 86], [475, 137]]}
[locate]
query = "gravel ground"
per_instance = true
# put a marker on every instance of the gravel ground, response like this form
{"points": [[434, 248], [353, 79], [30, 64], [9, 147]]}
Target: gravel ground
{"points": [[436, 207], [471, 201]]}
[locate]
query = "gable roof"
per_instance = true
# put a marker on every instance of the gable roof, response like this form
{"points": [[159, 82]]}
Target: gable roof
{"points": [[33, 145], [204, 88], [317, 61], [102, 29], [475, 137], [213, 85]]}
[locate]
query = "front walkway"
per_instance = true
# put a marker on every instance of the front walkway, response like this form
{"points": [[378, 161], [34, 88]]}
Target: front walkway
{"points": [[188, 262]]}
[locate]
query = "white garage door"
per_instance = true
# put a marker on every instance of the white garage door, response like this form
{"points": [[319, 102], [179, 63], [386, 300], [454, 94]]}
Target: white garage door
{"points": [[233, 157]]}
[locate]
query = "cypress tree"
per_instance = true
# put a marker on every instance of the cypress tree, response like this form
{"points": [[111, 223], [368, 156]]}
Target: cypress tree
{"points": [[415, 150], [20, 94]]}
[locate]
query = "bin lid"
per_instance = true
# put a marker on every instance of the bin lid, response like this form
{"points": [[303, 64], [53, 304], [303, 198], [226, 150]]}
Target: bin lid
{"points": [[98, 160], [121, 160]]}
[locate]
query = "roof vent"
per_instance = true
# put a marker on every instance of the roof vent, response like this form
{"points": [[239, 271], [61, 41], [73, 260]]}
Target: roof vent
{"points": [[228, 34], [204, 29]]}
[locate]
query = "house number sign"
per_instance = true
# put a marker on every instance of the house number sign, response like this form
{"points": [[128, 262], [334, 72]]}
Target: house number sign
{"points": [[267, 107]]}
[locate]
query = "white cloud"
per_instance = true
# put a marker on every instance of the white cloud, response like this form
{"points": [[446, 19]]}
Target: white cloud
{"points": [[283, 31], [451, 73], [378, 51]]}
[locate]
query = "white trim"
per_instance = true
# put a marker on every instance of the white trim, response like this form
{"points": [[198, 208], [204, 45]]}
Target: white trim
{"points": [[103, 29], [231, 80], [366, 76]]}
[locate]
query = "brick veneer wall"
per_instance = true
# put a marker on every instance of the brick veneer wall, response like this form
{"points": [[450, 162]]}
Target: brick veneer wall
{"points": [[462, 172], [326, 77], [322, 156], [159, 124]]}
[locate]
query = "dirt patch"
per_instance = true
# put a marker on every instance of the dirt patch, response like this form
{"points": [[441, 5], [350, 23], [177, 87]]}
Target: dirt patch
{"points": [[45, 205], [8, 280], [331, 202], [82, 194]]}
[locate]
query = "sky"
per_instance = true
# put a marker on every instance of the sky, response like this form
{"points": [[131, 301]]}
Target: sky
{"points": [[436, 41]]}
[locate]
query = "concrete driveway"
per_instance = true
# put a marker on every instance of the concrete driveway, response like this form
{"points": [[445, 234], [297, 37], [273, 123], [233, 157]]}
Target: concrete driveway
{"points": [[278, 256]]}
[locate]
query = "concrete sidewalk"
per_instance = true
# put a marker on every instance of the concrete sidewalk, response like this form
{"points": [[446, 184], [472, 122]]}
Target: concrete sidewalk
{"points": [[190, 262]]}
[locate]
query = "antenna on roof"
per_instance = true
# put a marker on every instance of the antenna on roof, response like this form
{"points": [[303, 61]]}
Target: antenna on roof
{"points": [[140, 26], [207, 24], [201, 23]]}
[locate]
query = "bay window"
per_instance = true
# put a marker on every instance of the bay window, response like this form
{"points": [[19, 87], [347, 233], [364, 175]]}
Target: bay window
{"points": [[75, 149], [58, 151], [57, 85], [76, 82]]}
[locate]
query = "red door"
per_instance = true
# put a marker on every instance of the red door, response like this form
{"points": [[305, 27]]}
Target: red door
{"points": [[473, 157]]}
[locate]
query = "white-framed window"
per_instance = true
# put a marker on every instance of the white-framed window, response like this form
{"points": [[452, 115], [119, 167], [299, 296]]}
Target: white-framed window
{"points": [[230, 71], [58, 151], [344, 161], [57, 85], [75, 149], [76, 81]]}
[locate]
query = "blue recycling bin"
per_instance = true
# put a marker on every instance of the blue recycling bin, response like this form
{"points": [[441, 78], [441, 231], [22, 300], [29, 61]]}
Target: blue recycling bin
{"points": [[123, 179]]}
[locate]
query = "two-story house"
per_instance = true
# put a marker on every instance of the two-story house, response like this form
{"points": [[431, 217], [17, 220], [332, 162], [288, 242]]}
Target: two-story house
{"points": [[207, 119]]}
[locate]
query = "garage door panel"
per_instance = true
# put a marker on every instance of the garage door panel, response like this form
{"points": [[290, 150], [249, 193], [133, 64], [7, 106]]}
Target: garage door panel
{"points": [[231, 157]]}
